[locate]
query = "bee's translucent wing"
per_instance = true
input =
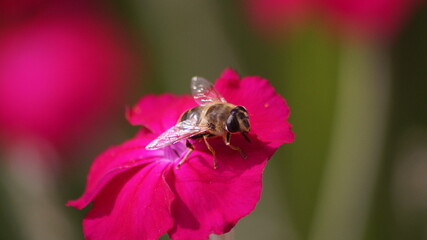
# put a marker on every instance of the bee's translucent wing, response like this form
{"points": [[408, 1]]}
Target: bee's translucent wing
{"points": [[181, 130], [204, 92]]}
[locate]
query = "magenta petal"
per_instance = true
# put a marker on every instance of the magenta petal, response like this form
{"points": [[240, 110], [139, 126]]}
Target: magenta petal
{"points": [[111, 163], [135, 205], [229, 74], [213, 200], [268, 111], [159, 112]]}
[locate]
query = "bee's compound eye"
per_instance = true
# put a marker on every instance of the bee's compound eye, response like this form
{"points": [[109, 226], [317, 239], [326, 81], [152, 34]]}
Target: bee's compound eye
{"points": [[232, 123]]}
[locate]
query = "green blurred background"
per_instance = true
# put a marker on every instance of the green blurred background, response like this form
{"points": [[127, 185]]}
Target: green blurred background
{"points": [[358, 166]]}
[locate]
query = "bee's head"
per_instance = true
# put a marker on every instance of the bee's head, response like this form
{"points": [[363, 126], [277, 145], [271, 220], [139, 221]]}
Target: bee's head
{"points": [[238, 120]]}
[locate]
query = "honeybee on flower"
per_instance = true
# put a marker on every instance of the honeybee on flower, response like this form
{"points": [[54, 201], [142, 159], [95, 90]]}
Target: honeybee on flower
{"points": [[140, 194], [213, 117]]}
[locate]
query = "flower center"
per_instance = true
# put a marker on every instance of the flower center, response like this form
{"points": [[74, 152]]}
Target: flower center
{"points": [[175, 151]]}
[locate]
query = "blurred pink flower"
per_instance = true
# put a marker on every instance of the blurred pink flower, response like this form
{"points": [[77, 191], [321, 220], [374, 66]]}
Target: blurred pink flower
{"points": [[15, 10], [60, 74], [369, 19], [139, 194], [274, 16]]}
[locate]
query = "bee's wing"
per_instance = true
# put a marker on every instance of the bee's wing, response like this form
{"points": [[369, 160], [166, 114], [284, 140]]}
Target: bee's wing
{"points": [[181, 130], [204, 92]]}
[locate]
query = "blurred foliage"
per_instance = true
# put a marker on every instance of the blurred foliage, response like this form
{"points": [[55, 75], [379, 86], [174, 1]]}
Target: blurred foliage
{"points": [[408, 113]]}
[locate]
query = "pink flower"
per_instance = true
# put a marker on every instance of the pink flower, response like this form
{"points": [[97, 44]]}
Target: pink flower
{"points": [[363, 18], [16, 10], [274, 16], [140, 194], [61, 72], [368, 18]]}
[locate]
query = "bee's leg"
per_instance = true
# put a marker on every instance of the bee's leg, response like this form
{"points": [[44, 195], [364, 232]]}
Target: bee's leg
{"points": [[190, 149], [205, 137], [246, 137], [227, 139]]}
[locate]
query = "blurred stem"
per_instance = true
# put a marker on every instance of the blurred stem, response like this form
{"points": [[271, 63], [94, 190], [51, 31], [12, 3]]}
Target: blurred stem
{"points": [[29, 183], [308, 82], [357, 141]]}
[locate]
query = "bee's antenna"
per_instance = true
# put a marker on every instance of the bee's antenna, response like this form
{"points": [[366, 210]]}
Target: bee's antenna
{"points": [[246, 137]]}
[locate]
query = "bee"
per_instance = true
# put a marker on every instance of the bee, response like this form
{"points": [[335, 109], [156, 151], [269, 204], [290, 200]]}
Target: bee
{"points": [[212, 117]]}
